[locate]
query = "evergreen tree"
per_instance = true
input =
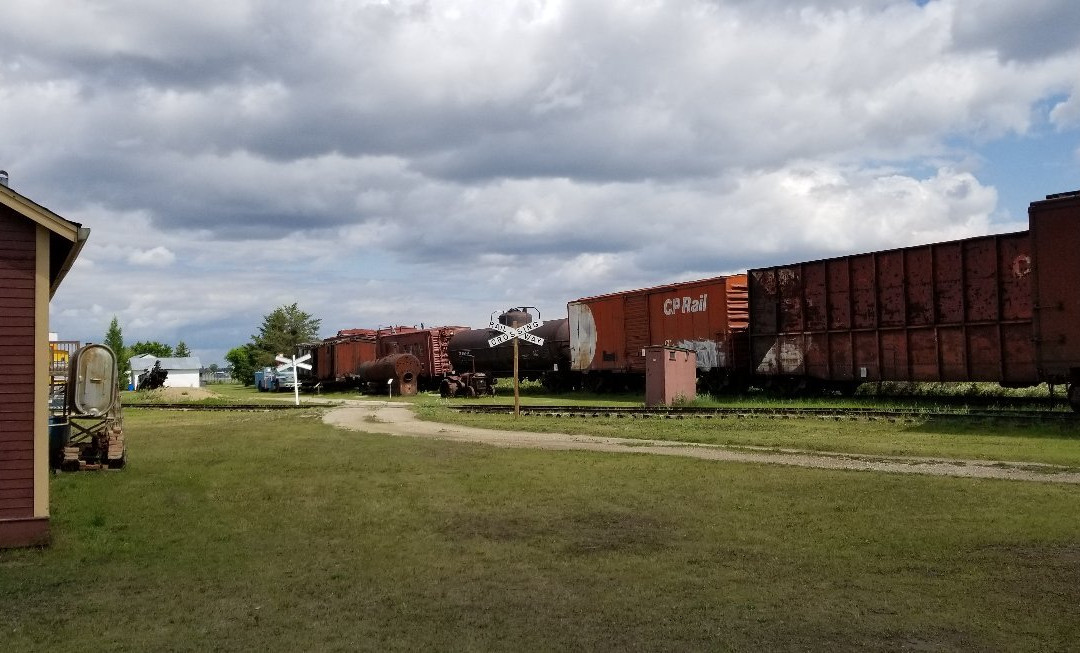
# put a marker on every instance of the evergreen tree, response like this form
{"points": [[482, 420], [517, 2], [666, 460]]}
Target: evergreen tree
{"points": [[152, 347], [181, 350], [281, 331], [114, 338]]}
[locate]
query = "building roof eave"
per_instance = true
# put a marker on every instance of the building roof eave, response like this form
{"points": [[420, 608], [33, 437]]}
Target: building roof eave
{"points": [[66, 237]]}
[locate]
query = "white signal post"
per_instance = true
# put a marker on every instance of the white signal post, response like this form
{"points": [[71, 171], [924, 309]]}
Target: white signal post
{"points": [[294, 363], [520, 333]]}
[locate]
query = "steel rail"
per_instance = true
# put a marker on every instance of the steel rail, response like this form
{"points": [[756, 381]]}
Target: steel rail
{"points": [[837, 414]]}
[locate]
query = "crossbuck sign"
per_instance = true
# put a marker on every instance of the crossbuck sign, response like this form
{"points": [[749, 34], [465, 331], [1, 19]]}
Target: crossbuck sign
{"points": [[509, 333], [520, 333], [294, 363]]}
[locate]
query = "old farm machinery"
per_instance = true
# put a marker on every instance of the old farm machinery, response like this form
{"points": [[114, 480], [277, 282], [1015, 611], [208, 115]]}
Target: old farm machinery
{"points": [[86, 428]]}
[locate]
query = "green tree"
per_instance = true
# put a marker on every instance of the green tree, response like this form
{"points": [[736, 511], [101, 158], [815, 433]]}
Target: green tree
{"points": [[243, 363], [181, 350], [114, 338], [281, 331], [151, 347]]}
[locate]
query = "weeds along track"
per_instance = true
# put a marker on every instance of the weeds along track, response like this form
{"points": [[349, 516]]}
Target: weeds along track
{"points": [[687, 412], [837, 414]]}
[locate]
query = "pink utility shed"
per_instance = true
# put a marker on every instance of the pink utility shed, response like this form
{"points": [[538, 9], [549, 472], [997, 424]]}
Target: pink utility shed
{"points": [[670, 375]]}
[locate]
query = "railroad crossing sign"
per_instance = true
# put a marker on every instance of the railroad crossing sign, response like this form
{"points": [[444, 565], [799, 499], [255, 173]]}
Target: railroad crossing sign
{"points": [[295, 363], [509, 333], [520, 333]]}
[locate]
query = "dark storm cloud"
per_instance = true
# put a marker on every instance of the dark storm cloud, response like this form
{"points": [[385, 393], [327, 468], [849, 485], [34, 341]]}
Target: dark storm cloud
{"points": [[590, 157], [1021, 31]]}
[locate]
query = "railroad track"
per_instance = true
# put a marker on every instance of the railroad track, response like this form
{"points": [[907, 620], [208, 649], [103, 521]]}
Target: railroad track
{"points": [[837, 414], [221, 407]]}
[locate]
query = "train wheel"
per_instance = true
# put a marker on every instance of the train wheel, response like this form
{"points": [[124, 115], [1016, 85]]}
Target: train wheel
{"points": [[595, 383]]}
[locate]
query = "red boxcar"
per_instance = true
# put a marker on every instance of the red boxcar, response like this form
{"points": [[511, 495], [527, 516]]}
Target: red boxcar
{"points": [[430, 346], [608, 333], [336, 360], [1055, 237], [954, 311]]}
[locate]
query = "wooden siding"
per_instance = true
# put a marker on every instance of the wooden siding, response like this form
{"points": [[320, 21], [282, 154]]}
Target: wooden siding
{"points": [[18, 241]]}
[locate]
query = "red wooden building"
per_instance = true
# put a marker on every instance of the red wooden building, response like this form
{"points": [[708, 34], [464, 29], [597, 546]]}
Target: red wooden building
{"points": [[37, 248]]}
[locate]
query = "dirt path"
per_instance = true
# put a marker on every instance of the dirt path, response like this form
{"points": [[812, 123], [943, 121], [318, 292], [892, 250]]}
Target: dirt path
{"points": [[398, 419]]}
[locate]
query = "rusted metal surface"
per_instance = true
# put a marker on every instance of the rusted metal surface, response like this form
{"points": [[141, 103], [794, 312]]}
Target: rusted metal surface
{"points": [[954, 311], [430, 346], [336, 360], [402, 370], [1055, 267], [709, 317], [468, 384], [515, 317]]}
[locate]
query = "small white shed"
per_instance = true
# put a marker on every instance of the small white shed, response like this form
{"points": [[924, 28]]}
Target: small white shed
{"points": [[183, 372]]}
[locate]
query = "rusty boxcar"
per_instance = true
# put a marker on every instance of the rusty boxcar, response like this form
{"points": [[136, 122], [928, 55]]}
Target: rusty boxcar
{"points": [[1054, 224], [336, 361], [954, 311], [1000, 308], [608, 333], [430, 346]]}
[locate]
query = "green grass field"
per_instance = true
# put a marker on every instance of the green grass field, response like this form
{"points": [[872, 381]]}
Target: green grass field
{"points": [[271, 531], [974, 439]]}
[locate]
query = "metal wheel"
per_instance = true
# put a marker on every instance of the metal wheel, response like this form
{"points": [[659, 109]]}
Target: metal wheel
{"points": [[1073, 393]]}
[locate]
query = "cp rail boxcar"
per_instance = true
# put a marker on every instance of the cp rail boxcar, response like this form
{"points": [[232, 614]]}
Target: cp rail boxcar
{"points": [[608, 333]]}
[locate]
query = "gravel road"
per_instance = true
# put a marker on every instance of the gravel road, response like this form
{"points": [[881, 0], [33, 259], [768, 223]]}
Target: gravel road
{"points": [[398, 419]]}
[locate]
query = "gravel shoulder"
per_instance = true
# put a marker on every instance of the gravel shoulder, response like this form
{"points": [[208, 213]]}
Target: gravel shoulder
{"points": [[399, 420]]}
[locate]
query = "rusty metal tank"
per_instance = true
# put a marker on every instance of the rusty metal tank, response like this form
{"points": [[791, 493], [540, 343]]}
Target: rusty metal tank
{"points": [[515, 317], [403, 370]]}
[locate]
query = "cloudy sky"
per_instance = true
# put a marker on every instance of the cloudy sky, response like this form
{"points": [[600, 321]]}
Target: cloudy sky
{"points": [[404, 161]]}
